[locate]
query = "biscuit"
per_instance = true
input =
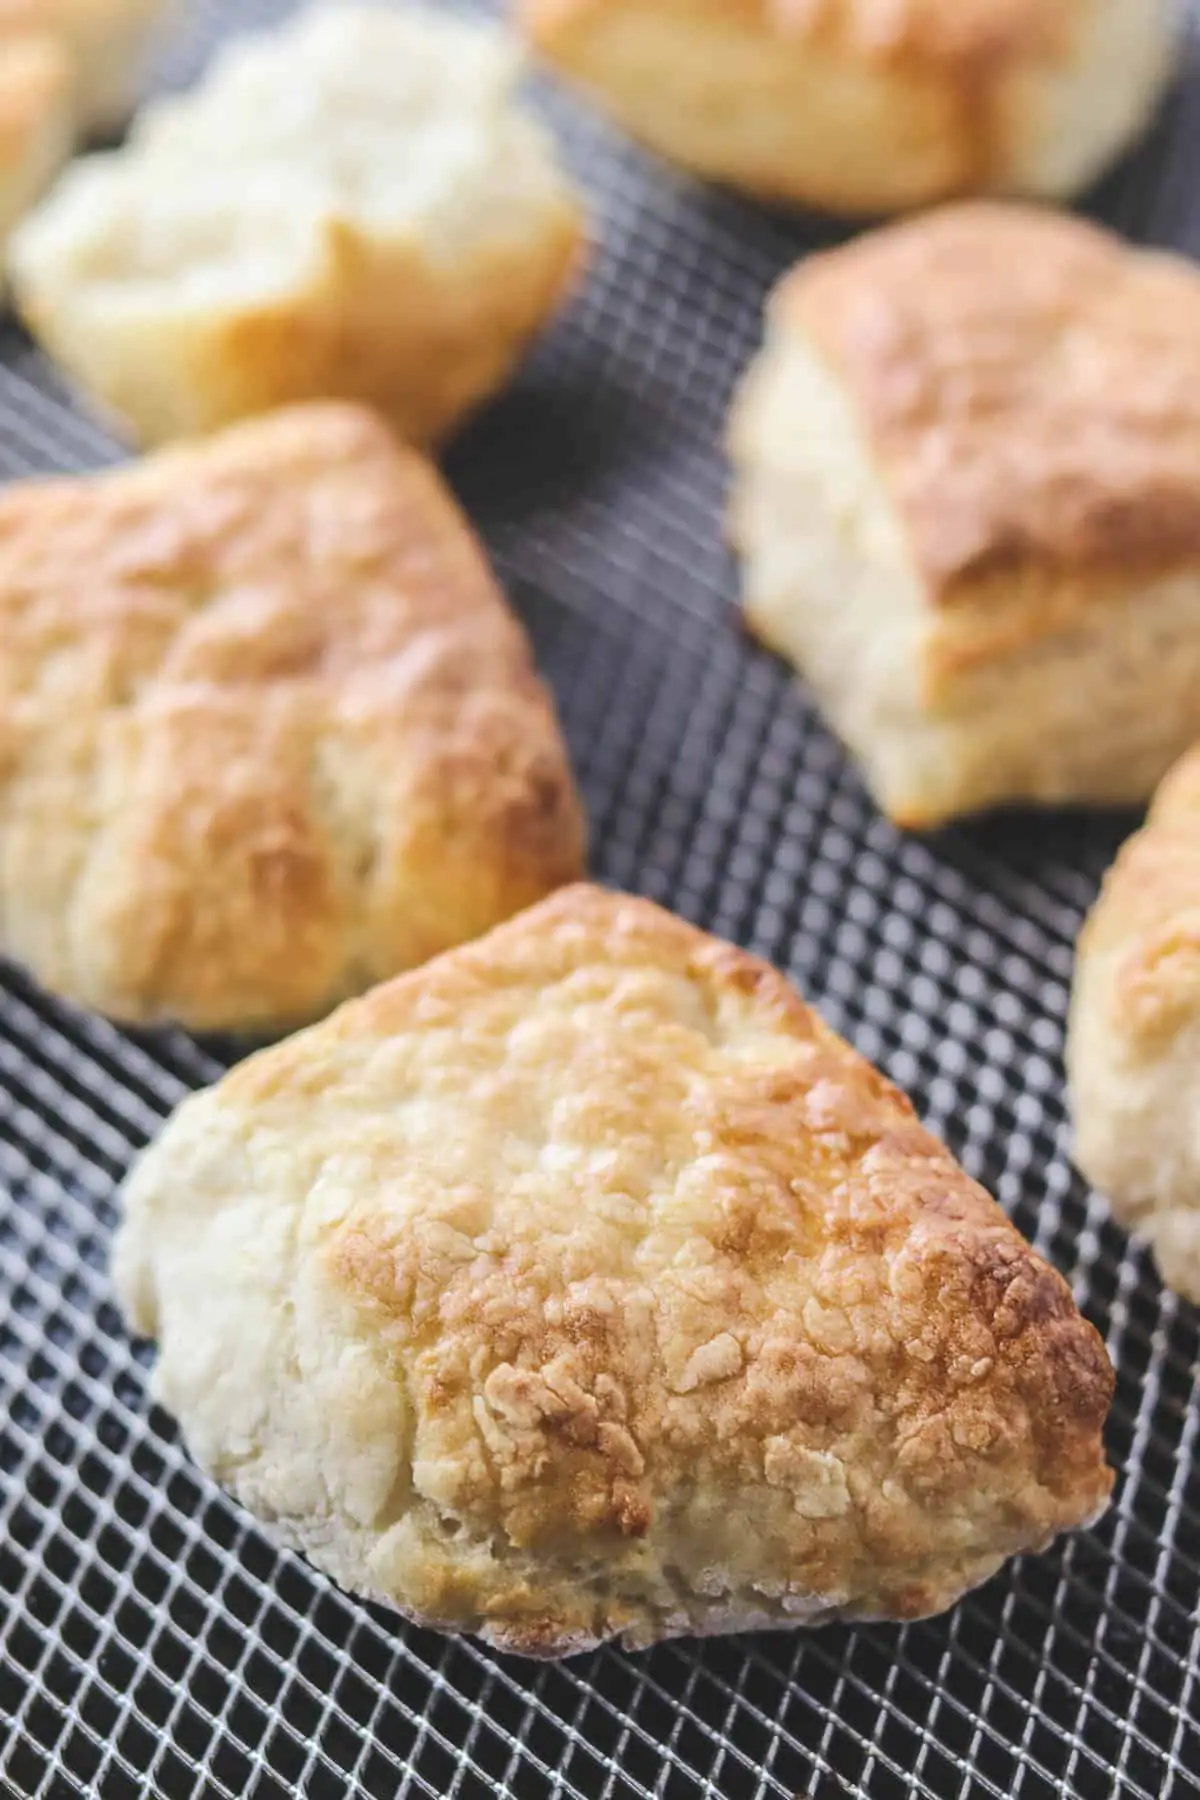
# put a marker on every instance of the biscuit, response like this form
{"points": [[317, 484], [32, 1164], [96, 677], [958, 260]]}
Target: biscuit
{"points": [[268, 731], [352, 207], [583, 1285], [870, 106], [37, 123], [106, 42], [967, 496], [1133, 1046]]}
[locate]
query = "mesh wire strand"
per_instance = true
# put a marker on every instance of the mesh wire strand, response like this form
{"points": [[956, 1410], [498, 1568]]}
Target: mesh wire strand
{"points": [[150, 1641]]}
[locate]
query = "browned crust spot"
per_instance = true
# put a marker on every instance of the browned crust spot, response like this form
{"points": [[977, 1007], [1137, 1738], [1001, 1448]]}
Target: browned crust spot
{"points": [[813, 1353], [268, 730], [1028, 385]]}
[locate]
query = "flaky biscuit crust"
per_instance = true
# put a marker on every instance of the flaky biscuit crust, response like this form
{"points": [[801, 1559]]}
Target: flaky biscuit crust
{"points": [[869, 106], [967, 497], [583, 1284], [268, 731], [1029, 384]]}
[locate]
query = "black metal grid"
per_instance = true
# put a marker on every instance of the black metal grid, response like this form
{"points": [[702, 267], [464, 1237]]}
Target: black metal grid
{"points": [[150, 1641]]}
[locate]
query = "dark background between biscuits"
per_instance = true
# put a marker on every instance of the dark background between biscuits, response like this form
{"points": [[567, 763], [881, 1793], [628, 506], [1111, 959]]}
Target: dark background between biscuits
{"points": [[150, 1641]]}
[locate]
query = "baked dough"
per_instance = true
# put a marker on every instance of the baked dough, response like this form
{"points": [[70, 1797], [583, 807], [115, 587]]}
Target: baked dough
{"points": [[354, 206], [105, 41], [37, 123], [967, 494], [66, 66], [870, 106], [583, 1284], [268, 731], [1133, 1048]]}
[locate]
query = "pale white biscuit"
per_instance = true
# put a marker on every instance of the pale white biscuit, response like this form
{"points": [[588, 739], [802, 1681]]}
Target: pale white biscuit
{"points": [[1133, 1048], [870, 106], [355, 206], [582, 1284], [967, 497], [268, 730]]}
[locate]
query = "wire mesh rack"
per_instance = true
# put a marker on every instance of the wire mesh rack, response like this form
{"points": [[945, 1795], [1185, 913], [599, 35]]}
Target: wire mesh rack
{"points": [[151, 1642]]}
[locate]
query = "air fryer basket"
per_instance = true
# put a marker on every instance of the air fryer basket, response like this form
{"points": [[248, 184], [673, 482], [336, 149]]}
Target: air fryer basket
{"points": [[151, 1643]]}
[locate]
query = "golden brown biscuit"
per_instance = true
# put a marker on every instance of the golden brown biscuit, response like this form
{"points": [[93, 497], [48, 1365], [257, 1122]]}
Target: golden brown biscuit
{"points": [[1133, 1049], [106, 42], [268, 731], [866, 106], [37, 123], [967, 494], [583, 1284], [355, 206]]}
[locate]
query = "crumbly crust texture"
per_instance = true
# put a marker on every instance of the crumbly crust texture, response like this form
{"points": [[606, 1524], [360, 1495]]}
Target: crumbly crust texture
{"points": [[1030, 386], [268, 731], [583, 1284]]}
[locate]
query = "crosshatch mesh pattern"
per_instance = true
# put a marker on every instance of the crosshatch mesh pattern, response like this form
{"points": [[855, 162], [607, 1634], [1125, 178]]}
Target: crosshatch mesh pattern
{"points": [[150, 1641]]}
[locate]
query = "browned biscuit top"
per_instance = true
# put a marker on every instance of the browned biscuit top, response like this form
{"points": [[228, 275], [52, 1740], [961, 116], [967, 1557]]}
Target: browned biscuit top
{"points": [[1030, 388], [267, 729], [693, 1322]]}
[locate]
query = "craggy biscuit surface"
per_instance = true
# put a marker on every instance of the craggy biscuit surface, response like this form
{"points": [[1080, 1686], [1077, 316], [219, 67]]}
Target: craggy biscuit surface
{"points": [[1030, 385], [268, 731], [1133, 1051], [583, 1284], [870, 106], [967, 493]]}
